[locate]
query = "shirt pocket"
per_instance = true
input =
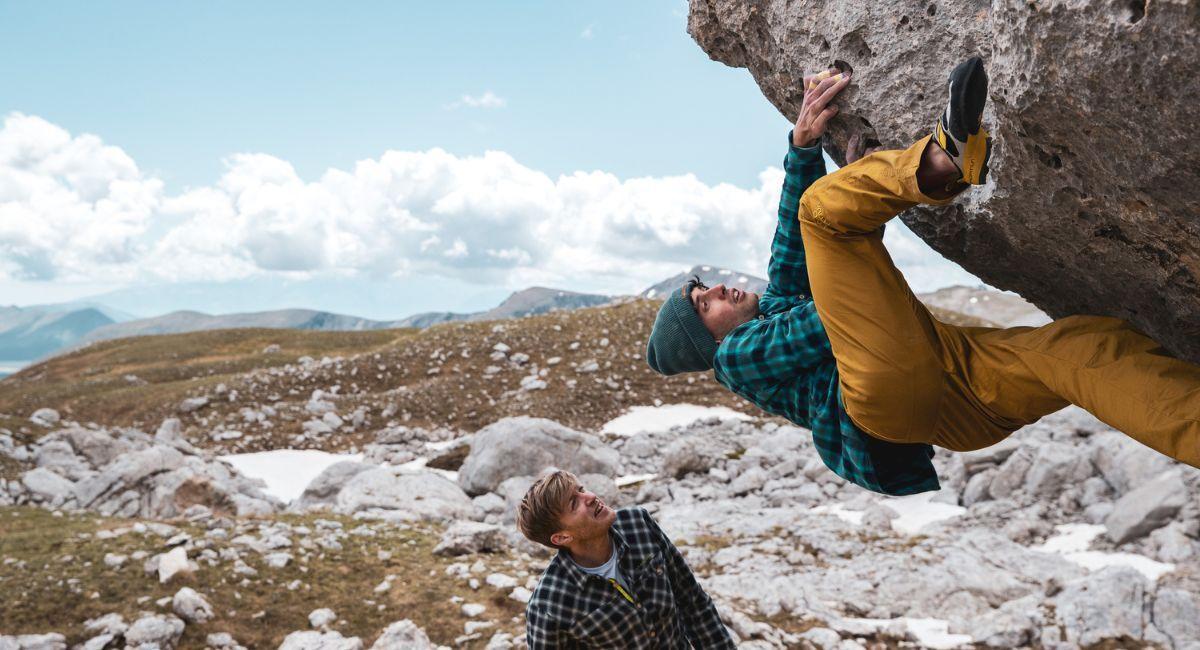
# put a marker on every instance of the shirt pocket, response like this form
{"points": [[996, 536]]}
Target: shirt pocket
{"points": [[611, 625], [657, 596]]}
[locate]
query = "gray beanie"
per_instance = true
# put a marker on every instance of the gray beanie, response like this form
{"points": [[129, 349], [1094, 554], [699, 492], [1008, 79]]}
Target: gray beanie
{"points": [[679, 342]]}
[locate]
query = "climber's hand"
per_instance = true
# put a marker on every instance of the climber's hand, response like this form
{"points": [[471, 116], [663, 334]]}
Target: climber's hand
{"points": [[819, 90]]}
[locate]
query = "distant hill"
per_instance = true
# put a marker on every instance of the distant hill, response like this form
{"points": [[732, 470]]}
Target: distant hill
{"points": [[1003, 309], [28, 333], [710, 276], [527, 302], [193, 321]]}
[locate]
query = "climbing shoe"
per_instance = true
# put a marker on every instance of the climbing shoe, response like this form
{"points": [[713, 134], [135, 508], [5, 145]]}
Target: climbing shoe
{"points": [[959, 132]]}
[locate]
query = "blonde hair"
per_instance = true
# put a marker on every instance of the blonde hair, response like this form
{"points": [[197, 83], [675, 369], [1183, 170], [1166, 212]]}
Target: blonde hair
{"points": [[538, 516]]}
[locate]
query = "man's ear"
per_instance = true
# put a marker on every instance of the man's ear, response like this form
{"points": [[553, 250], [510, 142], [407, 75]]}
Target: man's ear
{"points": [[563, 539]]}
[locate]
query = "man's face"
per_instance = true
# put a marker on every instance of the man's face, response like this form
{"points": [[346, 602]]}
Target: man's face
{"points": [[723, 309], [586, 517]]}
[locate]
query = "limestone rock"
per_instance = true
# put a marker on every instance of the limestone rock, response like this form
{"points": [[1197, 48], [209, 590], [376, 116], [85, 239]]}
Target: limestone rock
{"points": [[223, 641], [1107, 604], [323, 490], [171, 563], [1087, 211], [313, 640], [525, 446], [1056, 466], [1146, 508], [191, 606], [52, 641], [47, 486], [321, 618], [464, 537], [1177, 615], [689, 455], [403, 635], [404, 496], [1012, 625], [46, 417], [154, 632], [822, 638]]}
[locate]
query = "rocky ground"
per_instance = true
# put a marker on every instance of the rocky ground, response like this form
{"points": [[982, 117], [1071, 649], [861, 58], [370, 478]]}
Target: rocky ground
{"points": [[142, 534], [1068, 535]]}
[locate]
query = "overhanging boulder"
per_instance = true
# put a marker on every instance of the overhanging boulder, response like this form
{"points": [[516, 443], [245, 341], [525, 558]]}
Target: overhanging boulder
{"points": [[1093, 206]]}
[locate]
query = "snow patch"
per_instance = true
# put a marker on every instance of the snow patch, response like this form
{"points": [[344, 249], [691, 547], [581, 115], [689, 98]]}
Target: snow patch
{"points": [[662, 418], [631, 479], [917, 511], [1071, 538], [1073, 541], [928, 632], [838, 510], [1096, 560], [286, 471], [419, 464]]}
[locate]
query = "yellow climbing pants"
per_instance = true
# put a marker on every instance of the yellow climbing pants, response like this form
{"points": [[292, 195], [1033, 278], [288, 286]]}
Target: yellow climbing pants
{"points": [[906, 377]]}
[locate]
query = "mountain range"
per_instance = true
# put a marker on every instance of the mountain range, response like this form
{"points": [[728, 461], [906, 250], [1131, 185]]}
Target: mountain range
{"points": [[28, 333]]}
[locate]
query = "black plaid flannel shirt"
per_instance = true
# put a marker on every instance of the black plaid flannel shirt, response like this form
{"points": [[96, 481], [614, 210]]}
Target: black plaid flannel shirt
{"points": [[572, 609]]}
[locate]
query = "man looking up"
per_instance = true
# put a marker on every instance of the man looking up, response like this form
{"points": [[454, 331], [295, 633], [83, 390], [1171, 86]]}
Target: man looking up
{"points": [[839, 344], [616, 582]]}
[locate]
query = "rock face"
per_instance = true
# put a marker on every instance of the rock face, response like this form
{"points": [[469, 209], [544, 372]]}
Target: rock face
{"points": [[1089, 209]]}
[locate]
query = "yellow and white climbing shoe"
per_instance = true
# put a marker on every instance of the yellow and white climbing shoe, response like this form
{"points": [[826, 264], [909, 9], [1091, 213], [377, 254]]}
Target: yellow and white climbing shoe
{"points": [[959, 132]]}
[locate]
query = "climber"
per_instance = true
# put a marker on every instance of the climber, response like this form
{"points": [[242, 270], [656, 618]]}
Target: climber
{"points": [[838, 343]]}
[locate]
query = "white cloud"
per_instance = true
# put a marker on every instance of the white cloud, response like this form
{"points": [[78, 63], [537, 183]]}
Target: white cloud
{"points": [[588, 32], [73, 209], [487, 100]]}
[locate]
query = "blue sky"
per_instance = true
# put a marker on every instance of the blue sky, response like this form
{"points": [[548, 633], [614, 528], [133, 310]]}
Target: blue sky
{"points": [[617, 86], [333, 154]]}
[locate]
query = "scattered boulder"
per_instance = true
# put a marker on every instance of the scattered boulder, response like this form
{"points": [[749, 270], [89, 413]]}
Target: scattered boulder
{"points": [[46, 417], [52, 641], [159, 632], [173, 563], [1056, 466], [190, 605], [403, 635], [313, 640], [1105, 605], [525, 446], [400, 495], [1012, 625], [322, 491], [322, 618], [192, 404], [689, 456], [465, 537], [223, 641], [1176, 614], [47, 487], [1146, 508]]}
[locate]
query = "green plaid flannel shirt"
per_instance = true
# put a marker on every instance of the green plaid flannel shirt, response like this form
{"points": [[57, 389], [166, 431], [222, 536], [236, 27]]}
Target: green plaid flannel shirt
{"points": [[573, 609], [783, 363]]}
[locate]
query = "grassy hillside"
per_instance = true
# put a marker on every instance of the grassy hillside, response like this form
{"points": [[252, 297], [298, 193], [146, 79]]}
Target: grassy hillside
{"points": [[450, 375]]}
